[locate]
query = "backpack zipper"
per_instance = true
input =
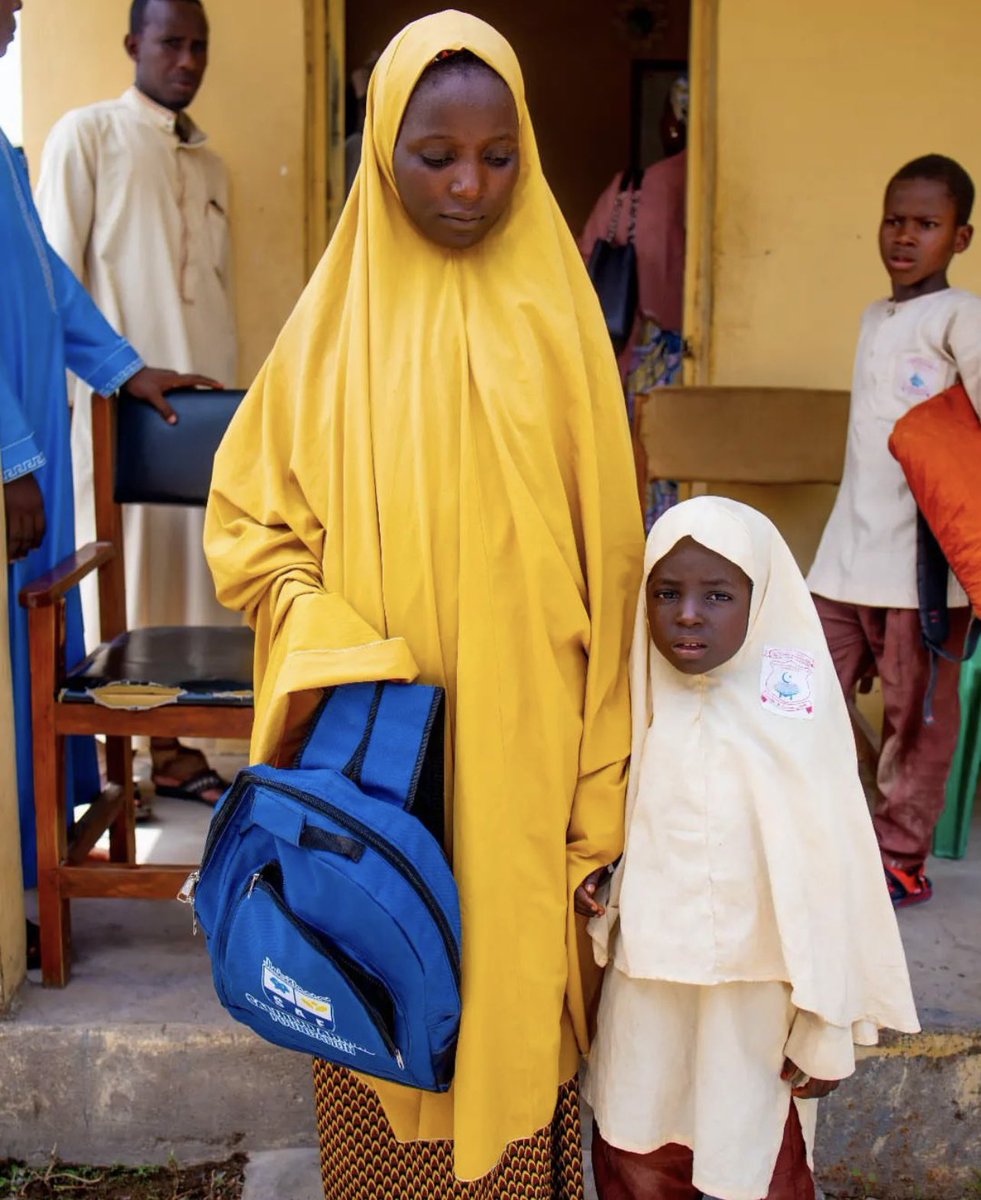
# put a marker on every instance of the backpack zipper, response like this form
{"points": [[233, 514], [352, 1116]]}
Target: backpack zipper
{"points": [[343, 963], [385, 849]]}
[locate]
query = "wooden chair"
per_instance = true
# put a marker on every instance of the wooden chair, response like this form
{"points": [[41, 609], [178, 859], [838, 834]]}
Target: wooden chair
{"points": [[759, 445], [138, 458], [730, 440]]}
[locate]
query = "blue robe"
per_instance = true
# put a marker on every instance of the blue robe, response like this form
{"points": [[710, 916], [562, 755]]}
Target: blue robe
{"points": [[47, 322]]}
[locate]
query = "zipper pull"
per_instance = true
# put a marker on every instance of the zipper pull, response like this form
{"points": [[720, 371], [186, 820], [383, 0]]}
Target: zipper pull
{"points": [[399, 1059], [252, 882], [188, 888], [186, 896]]}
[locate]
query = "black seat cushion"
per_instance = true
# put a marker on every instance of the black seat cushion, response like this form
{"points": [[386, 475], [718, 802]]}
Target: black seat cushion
{"points": [[208, 662]]}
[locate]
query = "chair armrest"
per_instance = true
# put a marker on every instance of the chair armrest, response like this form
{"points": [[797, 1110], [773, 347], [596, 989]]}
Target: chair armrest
{"points": [[51, 588]]}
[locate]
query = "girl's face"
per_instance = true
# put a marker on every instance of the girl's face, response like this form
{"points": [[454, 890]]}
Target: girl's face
{"points": [[456, 158], [697, 607]]}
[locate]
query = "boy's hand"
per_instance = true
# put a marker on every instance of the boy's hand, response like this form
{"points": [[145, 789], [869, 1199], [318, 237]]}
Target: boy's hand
{"points": [[26, 523], [585, 905], [803, 1087]]}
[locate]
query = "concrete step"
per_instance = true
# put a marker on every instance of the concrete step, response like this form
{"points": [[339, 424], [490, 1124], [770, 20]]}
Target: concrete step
{"points": [[135, 1060]]}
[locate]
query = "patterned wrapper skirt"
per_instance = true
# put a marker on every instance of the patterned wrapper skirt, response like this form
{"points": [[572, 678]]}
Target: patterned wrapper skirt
{"points": [[361, 1159]]}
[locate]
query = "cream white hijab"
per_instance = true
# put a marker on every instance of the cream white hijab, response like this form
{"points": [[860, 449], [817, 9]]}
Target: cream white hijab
{"points": [[779, 752]]}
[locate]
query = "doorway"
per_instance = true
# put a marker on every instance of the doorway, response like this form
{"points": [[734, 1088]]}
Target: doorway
{"points": [[588, 65]]}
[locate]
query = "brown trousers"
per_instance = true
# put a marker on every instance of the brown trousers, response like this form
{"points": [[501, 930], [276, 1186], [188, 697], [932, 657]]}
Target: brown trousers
{"points": [[915, 760], [665, 1173]]}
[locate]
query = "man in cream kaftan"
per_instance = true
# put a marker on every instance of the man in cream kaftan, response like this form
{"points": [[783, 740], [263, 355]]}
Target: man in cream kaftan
{"points": [[137, 204]]}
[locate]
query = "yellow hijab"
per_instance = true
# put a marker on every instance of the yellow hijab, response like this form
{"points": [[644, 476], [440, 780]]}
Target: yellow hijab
{"points": [[432, 477]]}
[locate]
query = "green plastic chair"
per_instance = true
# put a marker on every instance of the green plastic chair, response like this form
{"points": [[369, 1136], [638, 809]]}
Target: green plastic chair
{"points": [[950, 836]]}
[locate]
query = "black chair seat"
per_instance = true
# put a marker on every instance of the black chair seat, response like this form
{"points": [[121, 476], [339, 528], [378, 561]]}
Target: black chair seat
{"points": [[210, 664]]}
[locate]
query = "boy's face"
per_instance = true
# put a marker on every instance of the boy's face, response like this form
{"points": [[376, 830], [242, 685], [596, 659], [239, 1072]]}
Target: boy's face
{"points": [[697, 607], [919, 235]]}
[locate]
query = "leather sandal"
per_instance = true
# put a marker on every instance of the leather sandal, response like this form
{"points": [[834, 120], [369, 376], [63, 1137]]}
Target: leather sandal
{"points": [[194, 788]]}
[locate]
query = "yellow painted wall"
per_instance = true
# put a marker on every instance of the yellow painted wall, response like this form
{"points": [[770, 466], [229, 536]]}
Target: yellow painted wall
{"points": [[815, 106], [252, 104], [11, 891]]}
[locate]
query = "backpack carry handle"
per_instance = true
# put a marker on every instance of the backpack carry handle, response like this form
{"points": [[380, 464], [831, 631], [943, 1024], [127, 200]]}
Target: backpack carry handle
{"points": [[388, 740], [287, 821]]}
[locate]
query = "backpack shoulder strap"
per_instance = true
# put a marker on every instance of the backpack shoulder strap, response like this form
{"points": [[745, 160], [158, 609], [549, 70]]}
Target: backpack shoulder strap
{"points": [[385, 737], [931, 584], [932, 572]]}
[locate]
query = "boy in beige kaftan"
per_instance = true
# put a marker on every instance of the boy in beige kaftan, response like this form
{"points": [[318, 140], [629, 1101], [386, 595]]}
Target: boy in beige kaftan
{"points": [[914, 344]]}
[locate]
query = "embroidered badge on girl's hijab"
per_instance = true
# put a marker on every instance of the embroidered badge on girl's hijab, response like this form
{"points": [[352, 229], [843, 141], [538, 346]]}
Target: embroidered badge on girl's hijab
{"points": [[761, 748], [787, 682]]}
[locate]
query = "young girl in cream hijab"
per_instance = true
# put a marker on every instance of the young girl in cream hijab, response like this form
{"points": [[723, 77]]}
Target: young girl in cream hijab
{"points": [[739, 978]]}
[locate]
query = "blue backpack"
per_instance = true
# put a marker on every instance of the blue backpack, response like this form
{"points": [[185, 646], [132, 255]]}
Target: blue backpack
{"points": [[330, 910]]}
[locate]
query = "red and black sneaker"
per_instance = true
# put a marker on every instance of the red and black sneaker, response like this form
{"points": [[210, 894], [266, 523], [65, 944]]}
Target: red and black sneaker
{"points": [[907, 887]]}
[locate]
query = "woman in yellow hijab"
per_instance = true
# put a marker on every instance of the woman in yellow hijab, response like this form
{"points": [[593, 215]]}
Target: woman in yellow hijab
{"points": [[431, 479]]}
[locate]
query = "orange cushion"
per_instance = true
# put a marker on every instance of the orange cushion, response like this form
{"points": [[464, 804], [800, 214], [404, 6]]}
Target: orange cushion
{"points": [[938, 445]]}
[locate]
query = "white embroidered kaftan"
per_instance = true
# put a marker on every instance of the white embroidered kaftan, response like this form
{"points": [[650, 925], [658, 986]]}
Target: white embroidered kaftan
{"points": [[142, 218]]}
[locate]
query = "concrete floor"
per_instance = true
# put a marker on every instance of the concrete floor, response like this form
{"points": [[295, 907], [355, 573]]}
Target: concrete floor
{"points": [[136, 1060], [295, 1175], [943, 941]]}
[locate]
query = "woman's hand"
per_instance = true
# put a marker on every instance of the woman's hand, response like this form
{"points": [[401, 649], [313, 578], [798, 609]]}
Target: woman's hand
{"points": [[803, 1087], [585, 905]]}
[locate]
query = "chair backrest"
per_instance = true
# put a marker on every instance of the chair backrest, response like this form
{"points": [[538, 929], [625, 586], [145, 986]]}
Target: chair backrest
{"points": [[745, 435], [756, 444], [157, 463], [139, 459]]}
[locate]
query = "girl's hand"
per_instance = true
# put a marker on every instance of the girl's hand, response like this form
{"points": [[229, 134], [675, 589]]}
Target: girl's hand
{"points": [[585, 905], [803, 1087]]}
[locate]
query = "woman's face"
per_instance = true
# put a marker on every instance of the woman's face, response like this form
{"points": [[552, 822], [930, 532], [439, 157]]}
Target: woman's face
{"points": [[456, 158], [697, 607]]}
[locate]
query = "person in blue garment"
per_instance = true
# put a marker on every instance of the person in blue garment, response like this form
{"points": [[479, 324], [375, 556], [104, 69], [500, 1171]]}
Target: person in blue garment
{"points": [[48, 323]]}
